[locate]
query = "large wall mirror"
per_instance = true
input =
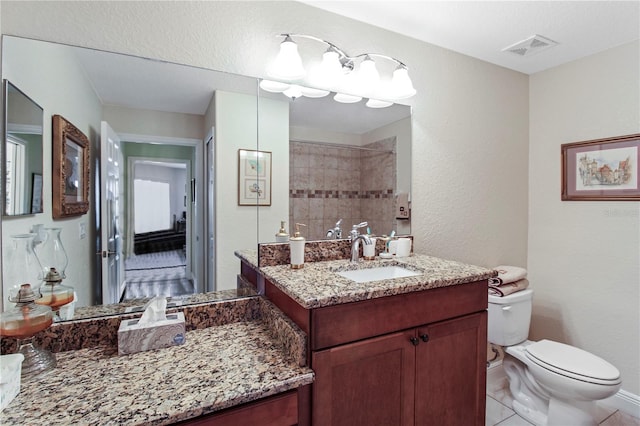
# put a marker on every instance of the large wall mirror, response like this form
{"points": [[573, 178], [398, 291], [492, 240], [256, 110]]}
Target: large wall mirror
{"points": [[22, 177], [186, 125], [347, 163]]}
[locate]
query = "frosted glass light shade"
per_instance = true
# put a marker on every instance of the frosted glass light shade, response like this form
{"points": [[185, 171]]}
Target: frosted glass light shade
{"points": [[368, 74], [288, 64], [346, 99], [274, 86], [311, 92], [293, 92], [401, 85], [376, 103], [330, 68]]}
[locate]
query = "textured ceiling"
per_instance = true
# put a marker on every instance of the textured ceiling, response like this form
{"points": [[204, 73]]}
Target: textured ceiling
{"points": [[481, 29]]}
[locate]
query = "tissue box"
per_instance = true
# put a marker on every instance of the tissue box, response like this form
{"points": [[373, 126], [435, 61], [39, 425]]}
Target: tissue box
{"points": [[133, 337], [10, 370]]}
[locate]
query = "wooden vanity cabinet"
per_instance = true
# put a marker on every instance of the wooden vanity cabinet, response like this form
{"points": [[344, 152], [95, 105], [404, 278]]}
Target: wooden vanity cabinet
{"points": [[411, 359], [285, 409]]}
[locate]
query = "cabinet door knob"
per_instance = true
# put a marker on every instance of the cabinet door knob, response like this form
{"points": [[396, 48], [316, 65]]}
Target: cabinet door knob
{"points": [[424, 337], [414, 341]]}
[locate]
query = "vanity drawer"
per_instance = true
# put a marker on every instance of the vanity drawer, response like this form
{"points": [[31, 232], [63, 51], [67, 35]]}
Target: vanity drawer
{"points": [[349, 322], [279, 410]]}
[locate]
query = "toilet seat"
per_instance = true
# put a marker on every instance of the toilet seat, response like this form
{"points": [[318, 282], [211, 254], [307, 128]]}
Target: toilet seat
{"points": [[572, 362]]}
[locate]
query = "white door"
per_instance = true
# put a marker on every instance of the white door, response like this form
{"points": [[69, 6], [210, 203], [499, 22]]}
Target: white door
{"points": [[111, 215], [210, 249]]}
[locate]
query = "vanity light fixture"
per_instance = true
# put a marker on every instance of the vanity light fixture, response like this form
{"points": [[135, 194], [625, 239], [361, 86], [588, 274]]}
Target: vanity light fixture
{"points": [[377, 103], [288, 64], [351, 77]]}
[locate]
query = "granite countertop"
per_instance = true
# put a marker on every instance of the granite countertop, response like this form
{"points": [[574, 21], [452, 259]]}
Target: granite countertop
{"points": [[317, 285], [218, 367], [249, 256]]}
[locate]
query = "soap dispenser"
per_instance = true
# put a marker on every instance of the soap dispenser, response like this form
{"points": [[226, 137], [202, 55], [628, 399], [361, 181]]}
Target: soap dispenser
{"points": [[282, 236], [296, 248]]}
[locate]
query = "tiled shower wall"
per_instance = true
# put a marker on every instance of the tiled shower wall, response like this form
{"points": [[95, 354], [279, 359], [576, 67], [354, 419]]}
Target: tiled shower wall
{"points": [[328, 183]]}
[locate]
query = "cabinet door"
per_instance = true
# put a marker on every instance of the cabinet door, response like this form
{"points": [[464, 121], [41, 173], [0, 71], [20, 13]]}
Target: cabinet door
{"points": [[451, 372], [370, 382]]}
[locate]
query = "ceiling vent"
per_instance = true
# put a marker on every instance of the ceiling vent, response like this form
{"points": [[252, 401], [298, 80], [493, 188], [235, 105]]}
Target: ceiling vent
{"points": [[530, 46]]}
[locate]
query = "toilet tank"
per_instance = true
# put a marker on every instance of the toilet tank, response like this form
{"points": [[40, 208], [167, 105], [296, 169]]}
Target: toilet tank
{"points": [[509, 318]]}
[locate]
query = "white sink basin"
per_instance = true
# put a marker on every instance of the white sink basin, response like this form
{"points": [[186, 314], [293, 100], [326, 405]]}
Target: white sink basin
{"points": [[378, 274]]}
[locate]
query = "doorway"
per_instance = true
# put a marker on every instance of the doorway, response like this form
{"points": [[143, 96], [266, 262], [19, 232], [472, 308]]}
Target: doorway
{"points": [[158, 211], [162, 253]]}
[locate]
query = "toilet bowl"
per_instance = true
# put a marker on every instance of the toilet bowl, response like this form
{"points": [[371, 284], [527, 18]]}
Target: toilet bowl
{"points": [[551, 383]]}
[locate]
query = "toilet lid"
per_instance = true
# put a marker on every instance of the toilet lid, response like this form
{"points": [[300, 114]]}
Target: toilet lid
{"points": [[572, 362]]}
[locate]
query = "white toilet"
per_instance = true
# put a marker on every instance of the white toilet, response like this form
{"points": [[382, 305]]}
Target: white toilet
{"points": [[551, 383]]}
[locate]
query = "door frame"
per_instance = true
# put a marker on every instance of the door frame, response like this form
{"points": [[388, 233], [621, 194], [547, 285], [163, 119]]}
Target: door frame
{"points": [[130, 232], [196, 246]]}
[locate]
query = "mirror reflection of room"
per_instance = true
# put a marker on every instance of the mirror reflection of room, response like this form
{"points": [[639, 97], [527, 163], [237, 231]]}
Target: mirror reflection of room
{"points": [[139, 258]]}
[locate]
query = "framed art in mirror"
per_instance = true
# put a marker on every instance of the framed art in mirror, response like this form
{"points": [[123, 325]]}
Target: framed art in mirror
{"points": [[254, 178], [601, 169], [71, 156], [36, 193]]}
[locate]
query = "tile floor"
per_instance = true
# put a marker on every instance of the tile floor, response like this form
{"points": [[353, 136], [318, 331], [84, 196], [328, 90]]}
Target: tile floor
{"points": [[499, 410]]}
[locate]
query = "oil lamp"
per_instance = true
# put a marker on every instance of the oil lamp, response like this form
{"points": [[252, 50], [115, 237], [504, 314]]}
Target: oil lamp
{"points": [[24, 321], [54, 293]]}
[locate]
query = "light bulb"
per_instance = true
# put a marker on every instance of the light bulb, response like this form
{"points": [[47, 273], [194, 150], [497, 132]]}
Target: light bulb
{"points": [[401, 86], [288, 64]]}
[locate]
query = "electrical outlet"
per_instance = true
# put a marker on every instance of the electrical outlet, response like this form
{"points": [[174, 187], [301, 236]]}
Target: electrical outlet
{"points": [[83, 230]]}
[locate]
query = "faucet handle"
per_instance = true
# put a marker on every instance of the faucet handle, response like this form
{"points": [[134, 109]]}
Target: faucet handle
{"points": [[354, 229]]}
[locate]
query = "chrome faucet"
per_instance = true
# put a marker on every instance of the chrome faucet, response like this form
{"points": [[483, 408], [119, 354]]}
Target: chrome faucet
{"points": [[355, 238], [335, 233]]}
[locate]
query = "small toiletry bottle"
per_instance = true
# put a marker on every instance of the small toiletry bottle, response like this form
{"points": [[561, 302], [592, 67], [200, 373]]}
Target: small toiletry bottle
{"points": [[296, 248], [282, 236]]}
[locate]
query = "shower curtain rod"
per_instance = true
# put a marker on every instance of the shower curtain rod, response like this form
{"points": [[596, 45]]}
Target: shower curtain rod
{"points": [[339, 145]]}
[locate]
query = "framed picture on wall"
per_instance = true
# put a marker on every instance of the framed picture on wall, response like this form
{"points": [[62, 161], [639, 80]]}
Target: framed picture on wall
{"points": [[601, 169], [254, 178], [71, 157], [36, 193]]}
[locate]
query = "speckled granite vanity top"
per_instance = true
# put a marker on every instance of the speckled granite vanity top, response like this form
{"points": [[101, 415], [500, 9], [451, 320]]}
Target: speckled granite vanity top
{"points": [[218, 367], [317, 284]]}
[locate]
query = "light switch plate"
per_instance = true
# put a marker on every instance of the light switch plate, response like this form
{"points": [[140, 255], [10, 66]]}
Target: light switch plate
{"points": [[82, 230]]}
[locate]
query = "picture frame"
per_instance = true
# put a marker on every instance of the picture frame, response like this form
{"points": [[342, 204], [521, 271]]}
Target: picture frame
{"points": [[36, 193], [71, 173], [601, 169], [254, 178]]}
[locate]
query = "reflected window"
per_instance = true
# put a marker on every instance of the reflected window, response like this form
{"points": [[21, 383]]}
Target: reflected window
{"points": [[152, 204], [15, 175]]}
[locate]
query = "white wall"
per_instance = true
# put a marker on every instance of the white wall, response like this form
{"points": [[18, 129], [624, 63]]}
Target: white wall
{"points": [[154, 123], [67, 93], [236, 126], [584, 256], [273, 136]]}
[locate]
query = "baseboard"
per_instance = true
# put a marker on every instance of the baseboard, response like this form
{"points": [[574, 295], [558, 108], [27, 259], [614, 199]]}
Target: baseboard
{"points": [[624, 401]]}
